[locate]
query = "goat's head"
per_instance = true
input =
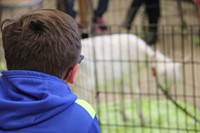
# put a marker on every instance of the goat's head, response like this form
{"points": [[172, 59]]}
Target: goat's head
{"points": [[166, 71]]}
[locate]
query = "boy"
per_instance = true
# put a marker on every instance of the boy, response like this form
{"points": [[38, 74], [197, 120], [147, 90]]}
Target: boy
{"points": [[42, 51]]}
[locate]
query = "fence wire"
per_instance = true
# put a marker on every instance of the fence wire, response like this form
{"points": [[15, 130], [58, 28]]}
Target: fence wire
{"points": [[128, 98]]}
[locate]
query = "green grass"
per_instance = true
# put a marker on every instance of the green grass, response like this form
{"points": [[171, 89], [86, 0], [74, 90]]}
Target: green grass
{"points": [[162, 116], [2, 66]]}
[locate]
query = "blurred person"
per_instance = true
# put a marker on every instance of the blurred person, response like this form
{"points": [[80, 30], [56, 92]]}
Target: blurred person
{"points": [[99, 23], [42, 51], [197, 4], [152, 9]]}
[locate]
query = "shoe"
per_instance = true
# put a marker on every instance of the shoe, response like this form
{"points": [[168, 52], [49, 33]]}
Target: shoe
{"points": [[84, 35], [151, 38], [100, 25]]}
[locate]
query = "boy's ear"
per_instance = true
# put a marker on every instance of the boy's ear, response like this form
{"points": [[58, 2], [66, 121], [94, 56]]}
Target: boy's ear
{"points": [[72, 74]]}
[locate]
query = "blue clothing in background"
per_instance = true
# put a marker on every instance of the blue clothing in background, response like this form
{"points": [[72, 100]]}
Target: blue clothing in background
{"points": [[34, 102]]}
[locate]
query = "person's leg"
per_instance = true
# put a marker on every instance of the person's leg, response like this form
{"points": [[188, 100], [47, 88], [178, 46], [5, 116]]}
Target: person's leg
{"points": [[197, 4], [101, 8], [132, 11], [100, 25], [69, 7], [153, 13]]}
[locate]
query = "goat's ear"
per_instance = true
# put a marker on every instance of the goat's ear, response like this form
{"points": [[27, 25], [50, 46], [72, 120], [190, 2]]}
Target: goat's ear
{"points": [[153, 64], [153, 71]]}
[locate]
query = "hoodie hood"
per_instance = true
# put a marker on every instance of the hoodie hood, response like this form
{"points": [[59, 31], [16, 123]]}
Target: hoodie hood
{"points": [[28, 98]]}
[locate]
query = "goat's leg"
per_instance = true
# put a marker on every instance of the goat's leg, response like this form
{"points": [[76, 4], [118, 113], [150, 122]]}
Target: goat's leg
{"points": [[139, 105], [122, 103]]}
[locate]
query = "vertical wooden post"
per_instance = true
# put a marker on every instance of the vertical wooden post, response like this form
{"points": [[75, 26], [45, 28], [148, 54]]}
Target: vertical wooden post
{"points": [[83, 8]]}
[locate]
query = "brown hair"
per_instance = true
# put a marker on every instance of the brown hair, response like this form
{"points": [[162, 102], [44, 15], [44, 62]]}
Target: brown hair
{"points": [[44, 40]]}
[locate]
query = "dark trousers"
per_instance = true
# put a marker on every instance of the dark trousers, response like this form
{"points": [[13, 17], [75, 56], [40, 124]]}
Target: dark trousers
{"points": [[69, 7], [101, 8], [152, 9], [137, 3]]}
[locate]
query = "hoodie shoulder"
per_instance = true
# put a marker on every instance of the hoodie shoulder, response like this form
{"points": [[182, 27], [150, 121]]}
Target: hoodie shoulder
{"points": [[86, 106], [93, 127]]}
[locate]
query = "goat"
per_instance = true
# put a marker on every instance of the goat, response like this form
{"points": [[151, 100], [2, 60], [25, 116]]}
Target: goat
{"points": [[113, 58]]}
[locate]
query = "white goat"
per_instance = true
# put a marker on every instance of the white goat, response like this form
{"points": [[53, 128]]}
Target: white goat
{"points": [[115, 58]]}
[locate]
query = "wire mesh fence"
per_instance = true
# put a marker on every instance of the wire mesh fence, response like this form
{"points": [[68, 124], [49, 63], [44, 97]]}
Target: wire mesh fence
{"points": [[129, 96], [117, 73]]}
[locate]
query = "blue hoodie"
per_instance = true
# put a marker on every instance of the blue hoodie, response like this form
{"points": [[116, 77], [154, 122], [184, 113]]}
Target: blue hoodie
{"points": [[34, 102]]}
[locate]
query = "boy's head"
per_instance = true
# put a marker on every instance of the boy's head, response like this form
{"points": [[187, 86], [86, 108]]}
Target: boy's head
{"points": [[44, 40]]}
